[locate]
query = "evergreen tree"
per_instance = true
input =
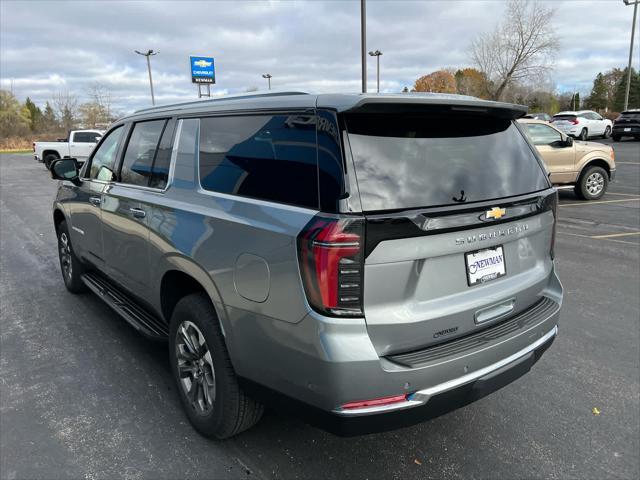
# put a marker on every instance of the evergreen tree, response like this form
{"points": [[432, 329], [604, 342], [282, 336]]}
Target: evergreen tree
{"points": [[49, 120], [597, 100], [634, 91], [35, 114]]}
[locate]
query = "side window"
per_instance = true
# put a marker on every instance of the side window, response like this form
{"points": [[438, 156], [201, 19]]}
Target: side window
{"points": [[104, 158], [141, 151], [261, 156], [81, 137], [542, 135]]}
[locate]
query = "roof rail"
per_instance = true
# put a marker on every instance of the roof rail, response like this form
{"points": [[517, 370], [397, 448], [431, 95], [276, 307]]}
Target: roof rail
{"points": [[240, 96]]}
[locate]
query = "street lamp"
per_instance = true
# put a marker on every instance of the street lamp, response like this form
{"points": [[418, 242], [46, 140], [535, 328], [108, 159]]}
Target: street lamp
{"points": [[377, 54], [363, 43], [633, 31], [268, 77], [148, 54]]}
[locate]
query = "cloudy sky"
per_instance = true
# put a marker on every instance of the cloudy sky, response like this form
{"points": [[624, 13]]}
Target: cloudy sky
{"points": [[53, 46]]}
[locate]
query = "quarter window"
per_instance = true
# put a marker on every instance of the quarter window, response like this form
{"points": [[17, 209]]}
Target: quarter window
{"points": [[141, 152], [261, 156], [104, 159]]}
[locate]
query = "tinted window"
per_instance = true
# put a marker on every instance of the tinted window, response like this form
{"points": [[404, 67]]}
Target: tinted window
{"points": [[542, 135], [629, 116], [104, 158], [266, 157], [405, 161], [85, 137], [564, 117], [141, 152]]}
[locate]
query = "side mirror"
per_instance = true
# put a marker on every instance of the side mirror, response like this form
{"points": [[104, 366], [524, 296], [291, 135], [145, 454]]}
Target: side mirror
{"points": [[65, 169], [568, 141]]}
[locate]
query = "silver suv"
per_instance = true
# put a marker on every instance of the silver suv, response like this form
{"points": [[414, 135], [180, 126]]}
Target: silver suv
{"points": [[365, 261]]}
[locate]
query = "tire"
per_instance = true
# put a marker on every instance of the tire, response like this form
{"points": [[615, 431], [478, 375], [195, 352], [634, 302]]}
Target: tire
{"points": [[583, 135], [607, 132], [48, 160], [616, 138], [592, 184], [70, 266], [200, 364]]}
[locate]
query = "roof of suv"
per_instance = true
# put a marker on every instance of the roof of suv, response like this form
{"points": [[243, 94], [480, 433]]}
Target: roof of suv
{"points": [[371, 103]]}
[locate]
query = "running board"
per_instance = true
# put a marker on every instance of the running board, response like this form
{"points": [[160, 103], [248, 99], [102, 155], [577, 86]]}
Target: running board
{"points": [[139, 318]]}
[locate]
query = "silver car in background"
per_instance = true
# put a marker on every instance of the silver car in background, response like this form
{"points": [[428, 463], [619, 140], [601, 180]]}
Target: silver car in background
{"points": [[365, 261]]}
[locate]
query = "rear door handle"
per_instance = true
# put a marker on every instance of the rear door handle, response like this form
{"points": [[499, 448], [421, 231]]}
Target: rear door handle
{"points": [[95, 201], [138, 212]]}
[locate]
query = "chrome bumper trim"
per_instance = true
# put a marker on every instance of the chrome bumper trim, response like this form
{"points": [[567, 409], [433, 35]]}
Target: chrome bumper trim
{"points": [[421, 397]]}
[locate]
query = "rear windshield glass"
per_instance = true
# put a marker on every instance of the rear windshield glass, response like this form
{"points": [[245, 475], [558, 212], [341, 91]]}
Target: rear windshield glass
{"points": [[631, 116], [406, 161], [564, 117]]}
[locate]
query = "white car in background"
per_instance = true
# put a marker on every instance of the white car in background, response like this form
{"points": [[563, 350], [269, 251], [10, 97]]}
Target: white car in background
{"points": [[79, 144], [582, 124]]}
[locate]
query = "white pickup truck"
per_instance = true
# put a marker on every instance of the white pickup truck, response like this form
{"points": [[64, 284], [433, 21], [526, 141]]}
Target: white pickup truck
{"points": [[78, 144]]}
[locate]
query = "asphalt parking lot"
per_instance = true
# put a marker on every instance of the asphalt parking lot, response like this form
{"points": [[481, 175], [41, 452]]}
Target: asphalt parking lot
{"points": [[83, 396]]}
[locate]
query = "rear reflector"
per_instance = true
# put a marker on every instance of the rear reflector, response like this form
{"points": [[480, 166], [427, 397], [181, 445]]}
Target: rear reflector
{"points": [[376, 402]]}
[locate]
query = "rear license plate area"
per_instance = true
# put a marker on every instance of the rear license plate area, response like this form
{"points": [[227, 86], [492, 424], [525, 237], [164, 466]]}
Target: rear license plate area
{"points": [[485, 265]]}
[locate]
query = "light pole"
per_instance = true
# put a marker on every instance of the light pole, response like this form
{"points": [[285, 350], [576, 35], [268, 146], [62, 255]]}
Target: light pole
{"points": [[268, 77], [633, 31], [363, 43], [148, 54], [377, 54]]}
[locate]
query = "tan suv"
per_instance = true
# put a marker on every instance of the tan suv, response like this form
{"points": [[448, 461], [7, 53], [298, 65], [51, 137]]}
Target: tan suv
{"points": [[588, 166]]}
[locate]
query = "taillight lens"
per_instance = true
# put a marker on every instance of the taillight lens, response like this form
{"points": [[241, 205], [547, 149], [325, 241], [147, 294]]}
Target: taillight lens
{"points": [[575, 121], [331, 264], [554, 208]]}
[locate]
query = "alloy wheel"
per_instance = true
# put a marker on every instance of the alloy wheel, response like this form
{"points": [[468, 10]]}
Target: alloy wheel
{"points": [[195, 368], [595, 183], [65, 255]]}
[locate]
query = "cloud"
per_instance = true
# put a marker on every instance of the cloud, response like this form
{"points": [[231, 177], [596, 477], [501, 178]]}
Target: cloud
{"points": [[48, 46]]}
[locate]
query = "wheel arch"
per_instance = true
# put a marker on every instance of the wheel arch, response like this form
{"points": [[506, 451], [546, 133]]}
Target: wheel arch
{"points": [[52, 152], [58, 218], [595, 162]]}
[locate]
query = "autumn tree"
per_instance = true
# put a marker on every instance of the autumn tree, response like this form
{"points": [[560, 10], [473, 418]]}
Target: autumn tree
{"points": [[96, 112], [471, 81], [440, 81], [520, 48], [15, 119]]}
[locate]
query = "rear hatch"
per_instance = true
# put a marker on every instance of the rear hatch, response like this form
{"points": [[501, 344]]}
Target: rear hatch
{"points": [[564, 122], [459, 223], [628, 119]]}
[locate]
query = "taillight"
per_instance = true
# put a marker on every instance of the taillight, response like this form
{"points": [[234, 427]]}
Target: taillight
{"points": [[331, 264], [575, 121], [34, 146], [554, 208]]}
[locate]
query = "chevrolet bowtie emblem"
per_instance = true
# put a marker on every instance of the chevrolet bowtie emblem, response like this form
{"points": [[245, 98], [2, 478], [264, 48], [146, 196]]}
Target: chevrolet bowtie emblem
{"points": [[496, 213]]}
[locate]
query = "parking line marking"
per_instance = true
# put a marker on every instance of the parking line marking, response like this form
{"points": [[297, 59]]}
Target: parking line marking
{"points": [[629, 163], [595, 238], [586, 204], [623, 194], [611, 235]]}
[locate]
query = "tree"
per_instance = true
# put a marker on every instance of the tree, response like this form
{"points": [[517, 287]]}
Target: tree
{"points": [[520, 48], [634, 91], [597, 99], [35, 115], [439, 81], [66, 106], [471, 81], [14, 118], [611, 80], [49, 120]]}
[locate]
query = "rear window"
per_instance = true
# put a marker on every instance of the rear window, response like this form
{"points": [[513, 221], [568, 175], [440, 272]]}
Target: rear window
{"points": [[630, 116], [564, 117], [261, 156], [423, 161]]}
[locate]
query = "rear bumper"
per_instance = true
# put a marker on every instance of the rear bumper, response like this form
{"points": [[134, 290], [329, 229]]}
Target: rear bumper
{"points": [[633, 131], [319, 364]]}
